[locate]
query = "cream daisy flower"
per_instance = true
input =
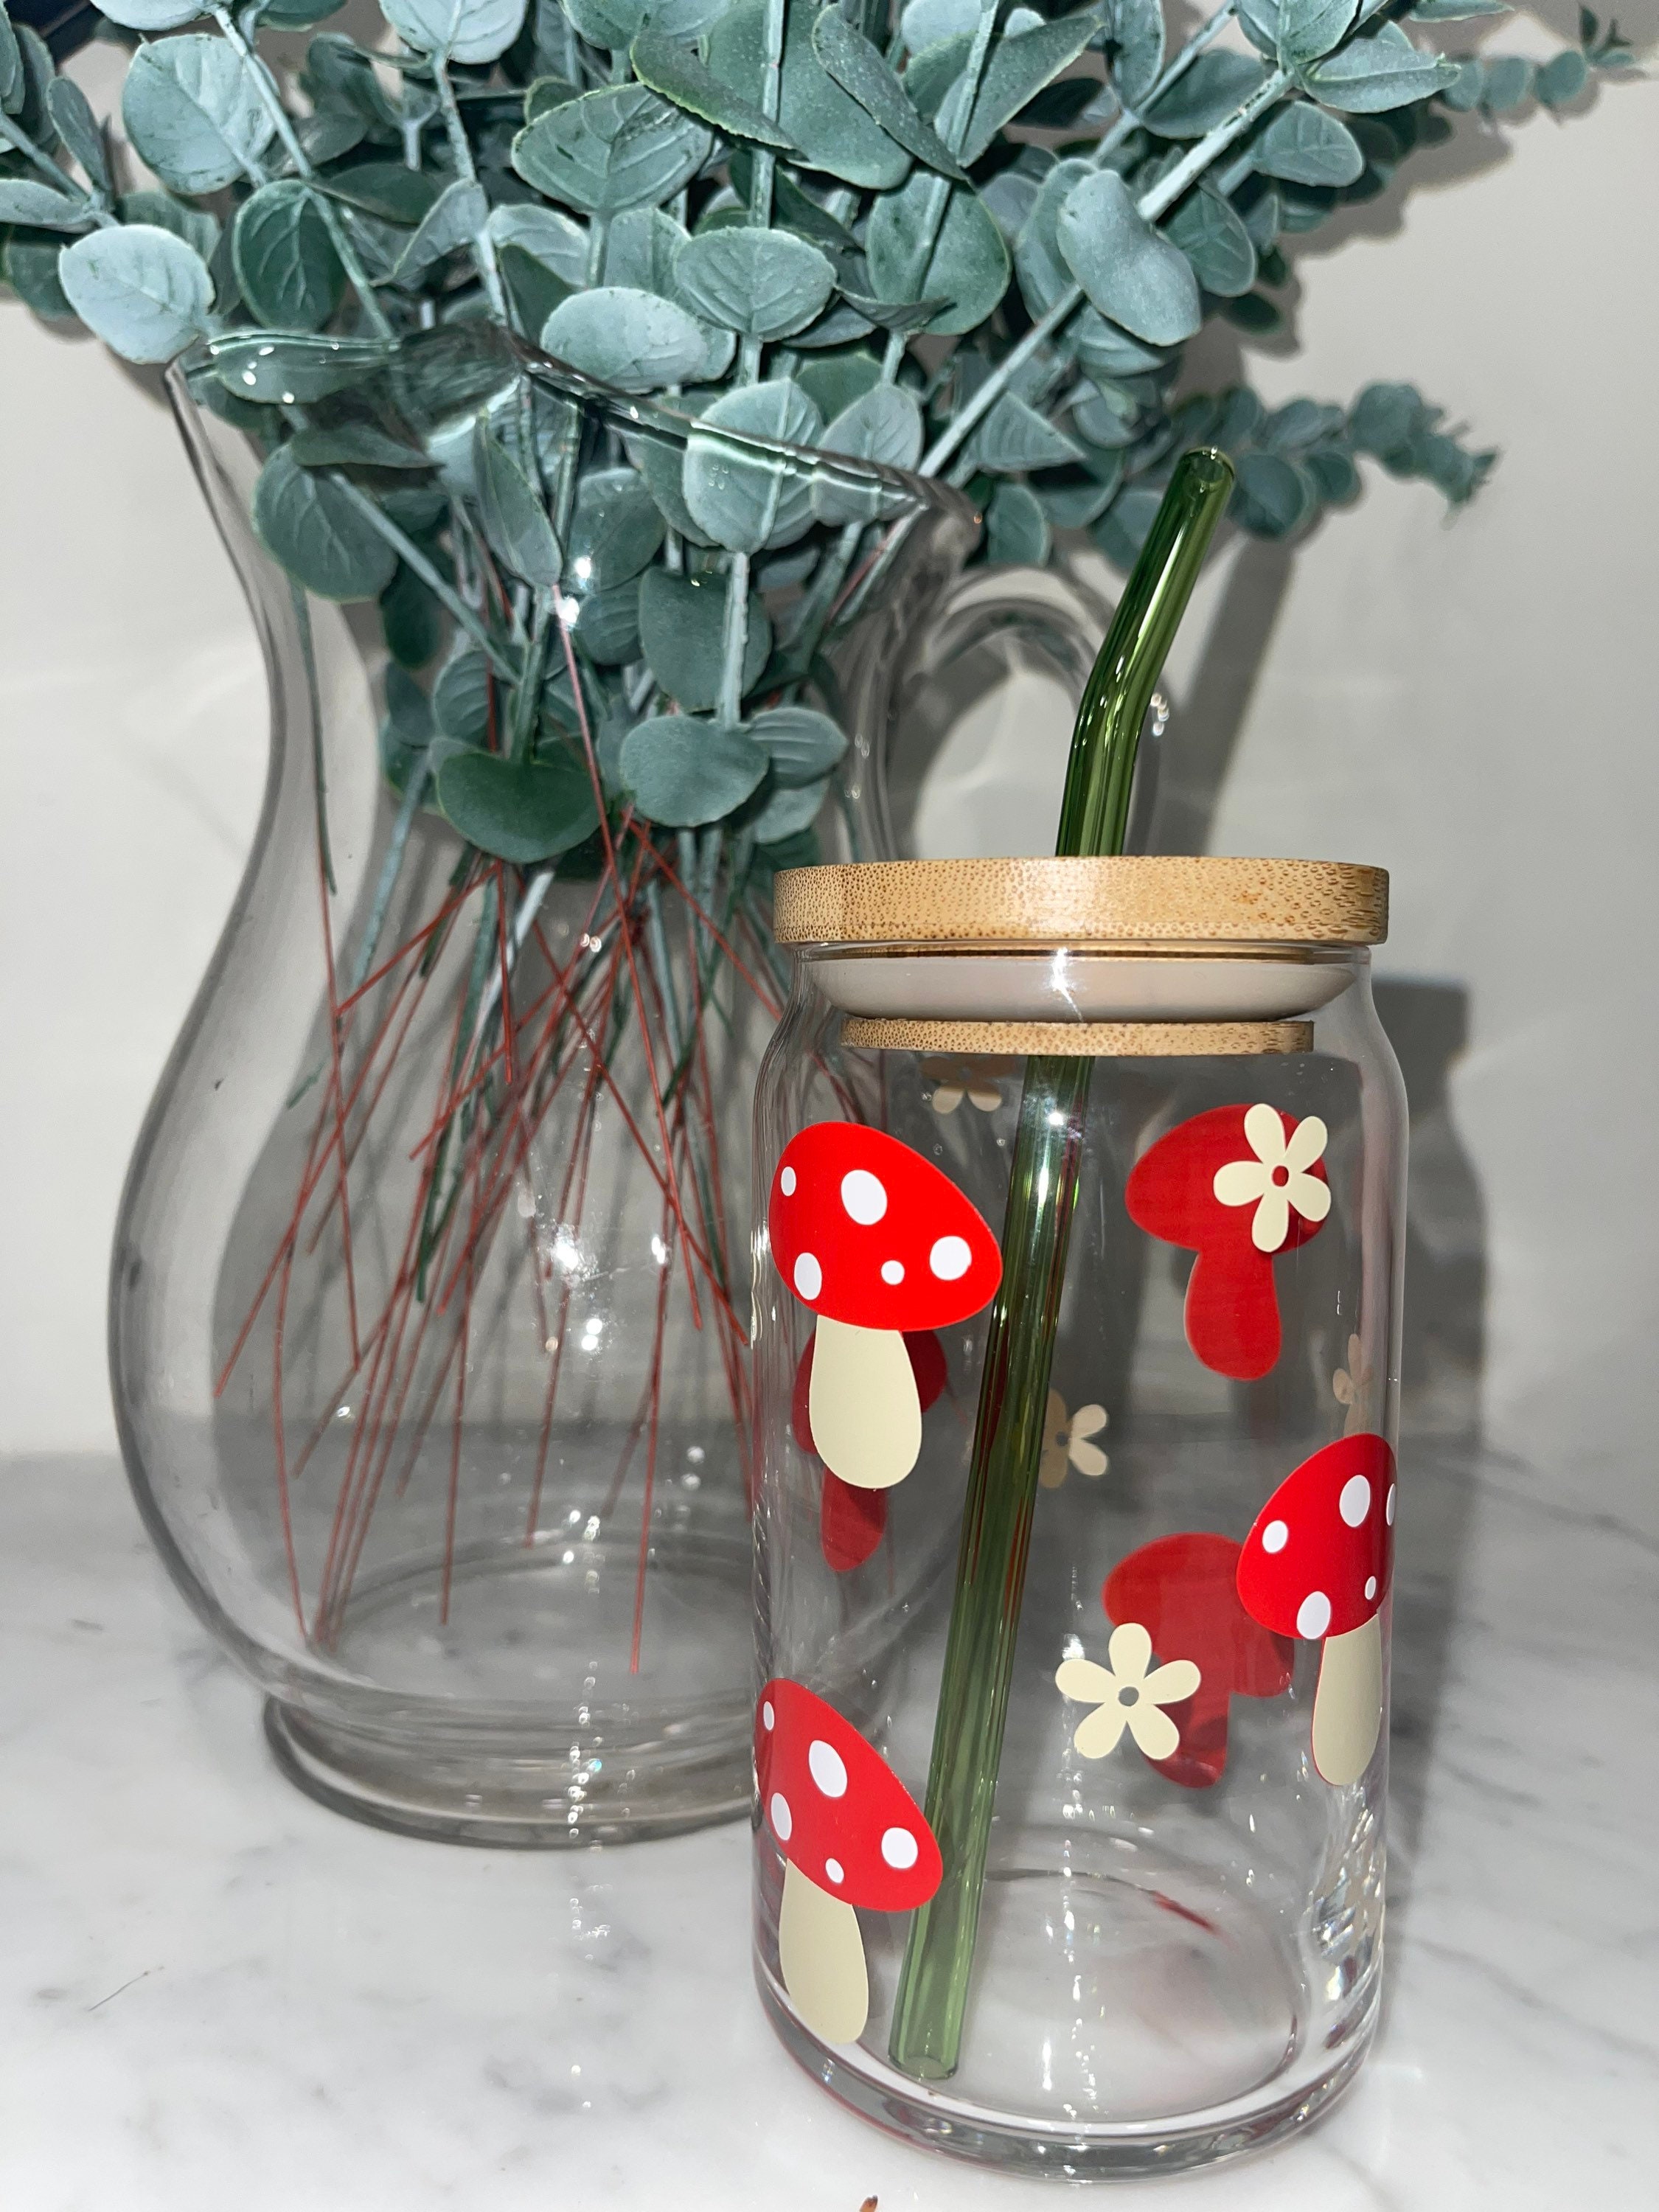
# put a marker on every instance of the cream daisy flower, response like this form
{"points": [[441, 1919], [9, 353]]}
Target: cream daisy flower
{"points": [[1066, 1443], [1277, 1179], [1125, 1695]]}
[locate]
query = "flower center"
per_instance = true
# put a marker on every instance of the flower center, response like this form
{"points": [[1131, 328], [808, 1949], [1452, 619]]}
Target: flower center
{"points": [[1129, 1696], [1281, 1177]]}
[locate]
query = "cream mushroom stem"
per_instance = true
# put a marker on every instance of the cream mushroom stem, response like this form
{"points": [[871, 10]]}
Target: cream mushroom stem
{"points": [[862, 1403], [821, 1955], [1348, 1715]]}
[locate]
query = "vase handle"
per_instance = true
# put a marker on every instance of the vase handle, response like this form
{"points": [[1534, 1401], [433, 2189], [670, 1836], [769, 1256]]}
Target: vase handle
{"points": [[992, 628]]}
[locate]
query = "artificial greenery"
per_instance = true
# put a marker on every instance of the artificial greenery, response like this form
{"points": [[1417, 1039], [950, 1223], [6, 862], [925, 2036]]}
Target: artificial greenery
{"points": [[973, 240]]}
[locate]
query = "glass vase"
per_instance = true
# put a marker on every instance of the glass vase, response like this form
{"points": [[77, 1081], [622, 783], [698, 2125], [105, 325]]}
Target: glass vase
{"points": [[1072, 1737], [430, 1300]]}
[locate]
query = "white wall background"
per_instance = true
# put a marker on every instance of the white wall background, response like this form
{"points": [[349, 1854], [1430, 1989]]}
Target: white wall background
{"points": [[1471, 703]]}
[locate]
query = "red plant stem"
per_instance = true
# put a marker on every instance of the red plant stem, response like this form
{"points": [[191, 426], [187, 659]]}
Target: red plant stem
{"points": [[501, 947], [624, 907], [664, 1276], [455, 899], [336, 1086], [709, 922]]}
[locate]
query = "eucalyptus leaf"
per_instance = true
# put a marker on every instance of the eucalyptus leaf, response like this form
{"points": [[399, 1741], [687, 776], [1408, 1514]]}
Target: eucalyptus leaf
{"points": [[787, 811], [1129, 271], [12, 79], [616, 530], [412, 619], [883, 424], [196, 226], [1136, 34], [834, 380], [607, 624], [77, 126], [454, 219], [764, 283], [387, 189], [1334, 474], [926, 22], [30, 267], [514, 513], [802, 744], [41, 206], [617, 147], [640, 251], [285, 261], [1016, 528], [1016, 68], [152, 15], [1562, 79], [465, 705], [632, 340], [1309, 28], [676, 72], [742, 496], [682, 636], [193, 111], [968, 266], [141, 290], [826, 124], [1305, 146], [1217, 82], [1456, 12], [1013, 437], [1379, 69], [520, 810], [1508, 82], [314, 526], [465, 31], [1043, 273], [546, 235], [684, 772], [353, 445], [1272, 497], [1215, 242], [858, 66], [1104, 349]]}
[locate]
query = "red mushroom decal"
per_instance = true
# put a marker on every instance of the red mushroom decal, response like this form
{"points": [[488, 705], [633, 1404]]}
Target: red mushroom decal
{"points": [[1238, 1186], [850, 1834], [877, 1241], [1317, 1565], [1184, 1589], [852, 1523]]}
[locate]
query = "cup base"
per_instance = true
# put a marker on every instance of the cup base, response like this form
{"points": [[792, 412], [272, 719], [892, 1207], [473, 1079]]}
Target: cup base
{"points": [[507, 1799]]}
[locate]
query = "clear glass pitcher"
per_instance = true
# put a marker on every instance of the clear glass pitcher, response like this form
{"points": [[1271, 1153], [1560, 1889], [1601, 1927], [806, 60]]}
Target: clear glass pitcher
{"points": [[1072, 1762], [429, 1328]]}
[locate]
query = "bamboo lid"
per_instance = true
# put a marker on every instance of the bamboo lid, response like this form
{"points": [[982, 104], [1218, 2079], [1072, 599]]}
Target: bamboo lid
{"points": [[1080, 1040], [1139, 898]]}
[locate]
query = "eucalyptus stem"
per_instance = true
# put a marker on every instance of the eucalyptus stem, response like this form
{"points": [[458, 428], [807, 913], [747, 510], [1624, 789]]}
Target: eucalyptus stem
{"points": [[931, 2004], [965, 92], [735, 643], [460, 147], [409, 552], [339, 238], [1129, 120]]}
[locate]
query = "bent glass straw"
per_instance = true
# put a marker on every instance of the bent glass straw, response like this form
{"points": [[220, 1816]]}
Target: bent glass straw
{"points": [[931, 2000]]}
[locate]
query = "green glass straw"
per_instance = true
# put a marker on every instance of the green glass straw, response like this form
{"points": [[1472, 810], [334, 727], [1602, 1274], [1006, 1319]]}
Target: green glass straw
{"points": [[1019, 1346]]}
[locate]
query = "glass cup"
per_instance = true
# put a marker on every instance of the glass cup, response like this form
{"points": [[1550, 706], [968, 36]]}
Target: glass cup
{"points": [[1073, 1604]]}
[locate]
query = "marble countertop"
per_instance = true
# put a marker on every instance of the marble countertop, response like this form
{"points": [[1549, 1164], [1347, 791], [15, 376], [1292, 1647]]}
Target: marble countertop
{"points": [[217, 1994]]}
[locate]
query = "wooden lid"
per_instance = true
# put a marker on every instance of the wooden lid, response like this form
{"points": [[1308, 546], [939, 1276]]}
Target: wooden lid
{"points": [[1080, 1040], [1139, 898]]}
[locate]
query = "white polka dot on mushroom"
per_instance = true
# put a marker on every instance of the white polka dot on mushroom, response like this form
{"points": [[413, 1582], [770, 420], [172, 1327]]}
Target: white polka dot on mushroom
{"points": [[1370, 1588], [827, 1767], [1355, 1502], [864, 1196], [787, 1182], [783, 1820], [767, 1716], [1387, 1510], [892, 1270], [900, 1848], [1275, 1536], [834, 1870], [1313, 1615], [809, 1276], [950, 1259]]}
